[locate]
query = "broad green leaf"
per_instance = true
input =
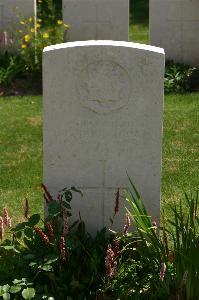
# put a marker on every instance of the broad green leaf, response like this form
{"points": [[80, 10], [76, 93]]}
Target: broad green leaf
{"points": [[28, 232], [1, 290], [47, 268], [53, 209], [68, 195], [15, 289], [6, 288], [76, 190], [66, 205], [28, 293], [7, 247], [16, 281], [34, 219], [6, 296]]}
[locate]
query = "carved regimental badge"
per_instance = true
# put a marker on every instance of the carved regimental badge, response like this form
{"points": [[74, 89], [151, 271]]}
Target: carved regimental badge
{"points": [[104, 86]]}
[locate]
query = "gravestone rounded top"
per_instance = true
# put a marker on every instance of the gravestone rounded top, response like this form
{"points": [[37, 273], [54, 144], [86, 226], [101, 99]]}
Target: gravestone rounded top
{"points": [[104, 43]]}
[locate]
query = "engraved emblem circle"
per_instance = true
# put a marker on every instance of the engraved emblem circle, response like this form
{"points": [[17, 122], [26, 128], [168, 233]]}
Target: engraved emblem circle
{"points": [[104, 86]]}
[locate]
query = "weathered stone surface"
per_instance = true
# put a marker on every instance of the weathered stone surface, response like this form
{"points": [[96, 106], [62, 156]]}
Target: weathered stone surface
{"points": [[103, 105], [96, 19], [11, 11], [174, 25]]}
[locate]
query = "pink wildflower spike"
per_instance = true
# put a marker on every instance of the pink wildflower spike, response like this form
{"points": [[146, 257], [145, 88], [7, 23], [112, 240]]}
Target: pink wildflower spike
{"points": [[26, 208], [9, 222], [116, 248], [42, 235], [111, 261], [162, 271], [6, 217], [127, 223], [65, 220], [154, 226], [117, 200], [50, 231], [47, 195], [63, 252], [1, 228]]}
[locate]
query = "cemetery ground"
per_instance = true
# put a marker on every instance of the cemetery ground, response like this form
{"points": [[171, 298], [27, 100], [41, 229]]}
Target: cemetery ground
{"points": [[21, 151]]}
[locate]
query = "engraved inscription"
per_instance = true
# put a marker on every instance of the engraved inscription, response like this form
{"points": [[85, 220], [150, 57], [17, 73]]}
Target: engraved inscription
{"points": [[104, 86]]}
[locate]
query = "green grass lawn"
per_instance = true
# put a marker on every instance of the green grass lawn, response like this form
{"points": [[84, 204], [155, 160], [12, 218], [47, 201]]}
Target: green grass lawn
{"points": [[21, 150], [139, 21]]}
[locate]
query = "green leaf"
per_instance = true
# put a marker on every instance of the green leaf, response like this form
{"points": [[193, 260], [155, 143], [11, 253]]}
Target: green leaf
{"points": [[28, 232], [68, 195], [34, 219], [19, 227], [7, 247], [1, 291], [5, 288], [53, 209], [74, 189], [6, 296], [15, 289], [66, 205], [28, 293], [16, 281], [47, 268]]}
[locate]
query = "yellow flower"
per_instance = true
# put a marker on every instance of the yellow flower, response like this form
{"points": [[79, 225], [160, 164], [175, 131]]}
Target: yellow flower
{"points": [[32, 30], [20, 30], [30, 19], [39, 1], [23, 46], [27, 38], [22, 22], [66, 26], [39, 20], [59, 22], [45, 35], [38, 25]]}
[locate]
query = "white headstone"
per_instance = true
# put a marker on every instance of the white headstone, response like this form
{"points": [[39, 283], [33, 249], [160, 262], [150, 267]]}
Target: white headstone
{"points": [[96, 19], [103, 104], [174, 25]]}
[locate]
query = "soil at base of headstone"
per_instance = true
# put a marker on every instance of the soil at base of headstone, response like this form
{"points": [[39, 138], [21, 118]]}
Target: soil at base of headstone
{"points": [[21, 87]]}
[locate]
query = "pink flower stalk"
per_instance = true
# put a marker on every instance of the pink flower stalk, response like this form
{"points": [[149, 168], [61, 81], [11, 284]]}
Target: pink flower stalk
{"points": [[50, 231], [63, 252], [47, 195], [26, 208], [162, 271], [6, 217], [127, 223], [154, 226], [117, 200], [42, 235], [116, 248], [9, 222], [65, 220], [111, 261], [1, 228]]}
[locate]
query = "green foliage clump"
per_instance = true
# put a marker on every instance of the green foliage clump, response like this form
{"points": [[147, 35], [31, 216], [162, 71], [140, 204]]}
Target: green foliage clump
{"points": [[55, 261], [154, 262], [11, 67], [60, 261], [181, 78]]}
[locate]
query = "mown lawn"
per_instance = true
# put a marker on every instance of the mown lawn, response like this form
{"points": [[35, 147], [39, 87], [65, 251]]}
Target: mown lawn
{"points": [[139, 21], [21, 150]]}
